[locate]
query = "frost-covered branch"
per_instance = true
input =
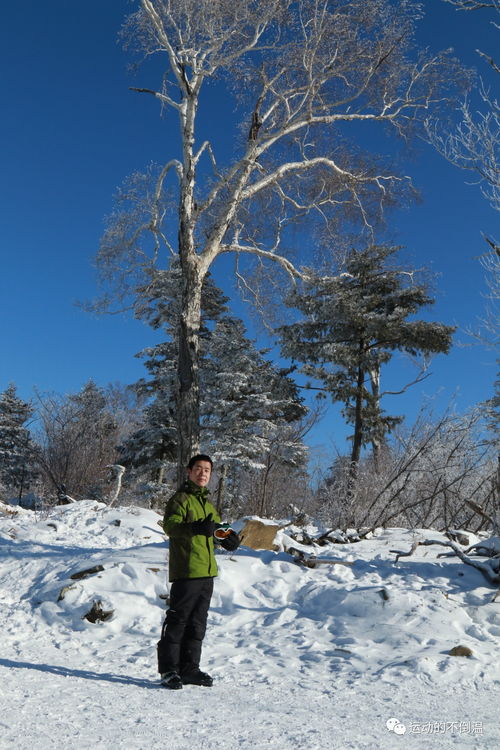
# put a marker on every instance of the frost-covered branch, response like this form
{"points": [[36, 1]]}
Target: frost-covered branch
{"points": [[159, 95], [287, 265], [490, 569], [475, 145], [473, 4]]}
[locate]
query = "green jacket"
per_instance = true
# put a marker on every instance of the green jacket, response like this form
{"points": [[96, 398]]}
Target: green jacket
{"points": [[191, 555]]}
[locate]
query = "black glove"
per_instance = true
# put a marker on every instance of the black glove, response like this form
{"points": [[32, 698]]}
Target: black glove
{"points": [[205, 527], [230, 542]]}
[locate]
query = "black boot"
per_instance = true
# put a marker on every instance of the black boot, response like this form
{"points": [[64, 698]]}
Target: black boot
{"points": [[196, 677], [171, 680]]}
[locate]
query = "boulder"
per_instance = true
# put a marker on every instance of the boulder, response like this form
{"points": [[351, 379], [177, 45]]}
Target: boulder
{"points": [[258, 535]]}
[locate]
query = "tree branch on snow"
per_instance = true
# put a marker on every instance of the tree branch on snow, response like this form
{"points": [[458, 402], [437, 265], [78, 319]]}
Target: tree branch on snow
{"points": [[490, 569]]}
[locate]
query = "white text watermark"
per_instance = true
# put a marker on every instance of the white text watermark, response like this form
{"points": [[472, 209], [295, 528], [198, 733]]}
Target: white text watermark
{"points": [[435, 727]]}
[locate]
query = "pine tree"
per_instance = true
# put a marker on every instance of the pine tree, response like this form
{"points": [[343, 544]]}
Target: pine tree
{"points": [[245, 399], [353, 324], [16, 469], [246, 405], [150, 450]]}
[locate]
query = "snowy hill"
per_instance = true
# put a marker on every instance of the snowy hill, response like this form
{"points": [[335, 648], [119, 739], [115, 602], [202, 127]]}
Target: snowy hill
{"points": [[301, 658]]}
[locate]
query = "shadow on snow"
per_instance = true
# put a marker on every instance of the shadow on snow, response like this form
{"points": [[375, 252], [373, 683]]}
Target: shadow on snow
{"points": [[83, 674]]}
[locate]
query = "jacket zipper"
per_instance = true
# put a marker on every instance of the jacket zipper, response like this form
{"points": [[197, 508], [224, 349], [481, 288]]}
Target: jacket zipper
{"points": [[202, 503]]}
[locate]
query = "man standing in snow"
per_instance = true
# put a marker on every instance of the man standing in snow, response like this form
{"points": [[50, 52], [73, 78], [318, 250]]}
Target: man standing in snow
{"points": [[190, 522]]}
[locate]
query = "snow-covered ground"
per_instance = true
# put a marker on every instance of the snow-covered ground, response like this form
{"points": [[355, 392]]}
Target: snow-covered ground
{"points": [[301, 658]]}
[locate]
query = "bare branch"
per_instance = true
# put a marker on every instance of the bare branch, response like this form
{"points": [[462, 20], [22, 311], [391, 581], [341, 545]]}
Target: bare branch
{"points": [[162, 97], [490, 572], [287, 265], [422, 376], [489, 60], [303, 166], [472, 4], [150, 10], [480, 511]]}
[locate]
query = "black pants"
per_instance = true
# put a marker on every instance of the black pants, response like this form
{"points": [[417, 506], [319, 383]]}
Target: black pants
{"points": [[179, 648]]}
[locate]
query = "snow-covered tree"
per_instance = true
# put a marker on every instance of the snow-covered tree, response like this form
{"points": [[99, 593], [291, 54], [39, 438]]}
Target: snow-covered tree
{"points": [[474, 146], [493, 413], [300, 75], [246, 405], [280, 486], [77, 441], [150, 450], [437, 473], [16, 467], [352, 325], [245, 398]]}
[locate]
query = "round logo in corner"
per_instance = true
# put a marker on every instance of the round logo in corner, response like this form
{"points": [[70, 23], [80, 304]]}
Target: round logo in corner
{"points": [[394, 725]]}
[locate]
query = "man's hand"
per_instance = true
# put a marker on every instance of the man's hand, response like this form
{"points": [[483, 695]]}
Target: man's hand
{"points": [[230, 542], [206, 527]]}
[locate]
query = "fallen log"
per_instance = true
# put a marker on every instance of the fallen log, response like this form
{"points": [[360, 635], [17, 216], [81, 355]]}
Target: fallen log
{"points": [[86, 573], [311, 561]]}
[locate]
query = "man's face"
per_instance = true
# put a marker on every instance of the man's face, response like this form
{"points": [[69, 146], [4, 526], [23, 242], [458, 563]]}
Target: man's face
{"points": [[200, 472]]}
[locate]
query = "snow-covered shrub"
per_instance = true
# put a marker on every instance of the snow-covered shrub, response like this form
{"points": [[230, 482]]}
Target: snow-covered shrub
{"points": [[440, 474]]}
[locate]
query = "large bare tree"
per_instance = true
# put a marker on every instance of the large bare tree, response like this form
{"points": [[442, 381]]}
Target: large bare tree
{"points": [[301, 74], [474, 146]]}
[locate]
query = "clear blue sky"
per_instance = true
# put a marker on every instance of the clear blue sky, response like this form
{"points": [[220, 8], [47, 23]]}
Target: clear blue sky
{"points": [[71, 131]]}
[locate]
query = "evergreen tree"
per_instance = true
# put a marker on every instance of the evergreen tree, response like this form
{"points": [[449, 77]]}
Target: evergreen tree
{"points": [[16, 469], [353, 323], [246, 405], [244, 398], [149, 450]]}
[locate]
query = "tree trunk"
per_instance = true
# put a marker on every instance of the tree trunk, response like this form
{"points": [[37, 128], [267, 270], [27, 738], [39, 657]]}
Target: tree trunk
{"points": [[357, 440], [376, 441], [21, 484], [221, 489], [188, 411], [188, 395], [263, 497], [119, 472]]}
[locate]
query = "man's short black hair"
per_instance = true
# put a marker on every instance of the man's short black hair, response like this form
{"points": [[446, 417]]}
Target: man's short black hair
{"points": [[200, 457]]}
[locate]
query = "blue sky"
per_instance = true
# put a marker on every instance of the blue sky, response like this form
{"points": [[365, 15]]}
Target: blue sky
{"points": [[71, 131]]}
